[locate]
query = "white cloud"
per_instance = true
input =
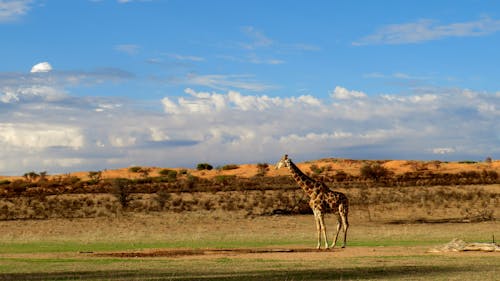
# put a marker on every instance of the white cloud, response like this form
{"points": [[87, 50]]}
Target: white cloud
{"points": [[427, 30], [186, 57], [130, 49], [31, 93], [122, 140], [62, 162], [226, 82], [443, 150], [425, 98], [315, 137], [158, 134], [13, 9], [253, 59], [39, 136], [206, 103], [343, 93], [220, 127], [259, 40], [41, 67]]}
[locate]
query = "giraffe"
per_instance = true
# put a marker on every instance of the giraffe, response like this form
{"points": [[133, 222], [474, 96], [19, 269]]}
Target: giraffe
{"points": [[321, 200]]}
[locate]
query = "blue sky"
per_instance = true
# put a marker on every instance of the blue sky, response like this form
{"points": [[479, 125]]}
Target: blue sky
{"points": [[90, 85]]}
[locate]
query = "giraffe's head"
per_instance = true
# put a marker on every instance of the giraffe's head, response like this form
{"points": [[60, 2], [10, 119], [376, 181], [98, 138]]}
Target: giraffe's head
{"points": [[284, 162]]}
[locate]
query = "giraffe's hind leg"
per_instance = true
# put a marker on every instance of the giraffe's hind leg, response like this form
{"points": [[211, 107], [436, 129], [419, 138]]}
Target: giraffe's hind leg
{"points": [[339, 224], [345, 223]]}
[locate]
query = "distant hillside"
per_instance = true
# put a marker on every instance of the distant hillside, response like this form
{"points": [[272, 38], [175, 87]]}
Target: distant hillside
{"points": [[328, 166]]}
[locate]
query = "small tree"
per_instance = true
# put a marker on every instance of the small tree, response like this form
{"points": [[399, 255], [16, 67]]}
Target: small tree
{"points": [[31, 176], [204, 166], [121, 189], [95, 176]]}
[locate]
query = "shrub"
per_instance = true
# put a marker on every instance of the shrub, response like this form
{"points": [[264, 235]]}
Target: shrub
{"points": [[31, 176], [164, 172], [341, 176], [467, 162], [229, 167], [191, 182], [318, 170], [493, 175], [224, 180], [95, 176], [18, 186], [2, 182], [69, 180], [143, 171], [374, 171], [121, 189], [262, 168], [134, 169], [170, 174], [162, 197], [204, 166]]}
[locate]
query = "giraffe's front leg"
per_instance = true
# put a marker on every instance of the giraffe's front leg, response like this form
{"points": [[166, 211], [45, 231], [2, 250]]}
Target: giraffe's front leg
{"points": [[318, 229], [323, 229]]}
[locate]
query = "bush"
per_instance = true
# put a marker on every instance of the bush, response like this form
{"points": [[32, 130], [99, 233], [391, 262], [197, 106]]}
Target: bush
{"points": [[374, 171], [229, 167], [31, 176], [224, 180], [121, 189], [170, 174], [341, 176], [2, 182], [204, 166], [317, 170], [95, 176], [135, 169], [162, 197], [467, 162], [262, 168]]}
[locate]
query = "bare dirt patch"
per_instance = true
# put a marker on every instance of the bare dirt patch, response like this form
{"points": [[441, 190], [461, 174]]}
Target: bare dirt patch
{"points": [[290, 253]]}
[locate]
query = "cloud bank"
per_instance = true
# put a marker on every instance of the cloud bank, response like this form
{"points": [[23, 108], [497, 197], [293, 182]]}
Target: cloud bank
{"points": [[44, 128]]}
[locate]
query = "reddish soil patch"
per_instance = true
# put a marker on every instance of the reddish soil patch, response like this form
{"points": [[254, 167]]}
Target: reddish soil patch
{"points": [[200, 252], [280, 253]]}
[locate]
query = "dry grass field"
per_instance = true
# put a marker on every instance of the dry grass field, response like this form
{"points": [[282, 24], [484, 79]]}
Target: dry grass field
{"points": [[233, 246], [228, 232]]}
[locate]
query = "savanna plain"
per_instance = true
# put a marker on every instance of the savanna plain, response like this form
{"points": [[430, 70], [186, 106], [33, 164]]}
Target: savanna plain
{"points": [[249, 222]]}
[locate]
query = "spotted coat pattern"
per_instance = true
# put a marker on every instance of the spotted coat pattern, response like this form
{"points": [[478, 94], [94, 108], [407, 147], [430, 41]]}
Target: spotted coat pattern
{"points": [[321, 200]]}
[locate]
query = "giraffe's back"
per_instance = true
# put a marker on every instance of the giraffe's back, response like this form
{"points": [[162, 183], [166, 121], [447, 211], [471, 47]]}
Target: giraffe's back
{"points": [[337, 201]]}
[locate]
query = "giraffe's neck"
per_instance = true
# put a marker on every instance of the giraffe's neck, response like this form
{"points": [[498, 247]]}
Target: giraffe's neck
{"points": [[305, 182]]}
